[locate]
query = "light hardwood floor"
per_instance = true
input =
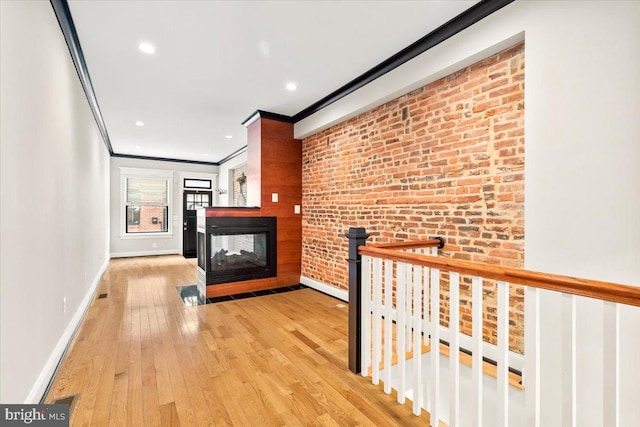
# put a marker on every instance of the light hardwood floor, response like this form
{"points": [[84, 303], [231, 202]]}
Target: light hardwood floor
{"points": [[141, 358]]}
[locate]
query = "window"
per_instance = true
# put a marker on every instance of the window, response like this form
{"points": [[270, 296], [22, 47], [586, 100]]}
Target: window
{"points": [[147, 196], [197, 183], [197, 200]]}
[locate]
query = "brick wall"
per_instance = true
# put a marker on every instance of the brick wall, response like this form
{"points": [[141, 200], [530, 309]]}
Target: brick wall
{"points": [[444, 160]]}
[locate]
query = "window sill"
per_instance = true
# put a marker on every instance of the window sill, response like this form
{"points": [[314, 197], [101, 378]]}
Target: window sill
{"points": [[146, 236]]}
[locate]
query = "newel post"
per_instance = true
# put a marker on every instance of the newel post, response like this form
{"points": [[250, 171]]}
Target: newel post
{"points": [[357, 237]]}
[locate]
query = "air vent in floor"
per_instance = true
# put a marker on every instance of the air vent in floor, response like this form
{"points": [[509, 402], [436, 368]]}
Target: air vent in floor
{"points": [[101, 296], [67, 400]]}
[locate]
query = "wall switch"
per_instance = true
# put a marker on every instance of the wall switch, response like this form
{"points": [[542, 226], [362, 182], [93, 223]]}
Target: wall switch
{"points": [[296, 209], [274, 197], [64, 304]]}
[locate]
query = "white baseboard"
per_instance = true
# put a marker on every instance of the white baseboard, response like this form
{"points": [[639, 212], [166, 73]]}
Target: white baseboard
{"points": [[145, 253], [40, 387], [325, 289]]}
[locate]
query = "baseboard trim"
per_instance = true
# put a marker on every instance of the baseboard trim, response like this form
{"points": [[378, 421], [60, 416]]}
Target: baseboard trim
{"points": [[145, 253], [341, 294], [43, 383]]}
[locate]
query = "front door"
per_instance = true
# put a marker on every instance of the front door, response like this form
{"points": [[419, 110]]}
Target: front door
{"points": [[192, 200]]}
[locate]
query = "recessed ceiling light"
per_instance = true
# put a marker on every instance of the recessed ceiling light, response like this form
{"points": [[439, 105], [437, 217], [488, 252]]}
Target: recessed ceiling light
{"points": [[206, 154], [139, 123], [292, 86], [228, 136], [138, 147], [147, 48]]}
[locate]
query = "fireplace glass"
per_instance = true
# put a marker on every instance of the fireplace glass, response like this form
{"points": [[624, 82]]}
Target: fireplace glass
{"points": [[232, 249], [238, 251]]}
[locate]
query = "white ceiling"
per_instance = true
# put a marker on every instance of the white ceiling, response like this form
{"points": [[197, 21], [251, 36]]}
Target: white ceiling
{"points": [[216, 62]]}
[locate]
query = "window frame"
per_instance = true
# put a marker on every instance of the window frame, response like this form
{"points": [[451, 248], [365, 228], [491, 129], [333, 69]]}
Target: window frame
{"points": [[144, 173]]}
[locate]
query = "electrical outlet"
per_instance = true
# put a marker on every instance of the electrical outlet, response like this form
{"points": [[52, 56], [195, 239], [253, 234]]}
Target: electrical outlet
{"points": [[64, 305], [274, 197], [296, 209], [154, 245]]}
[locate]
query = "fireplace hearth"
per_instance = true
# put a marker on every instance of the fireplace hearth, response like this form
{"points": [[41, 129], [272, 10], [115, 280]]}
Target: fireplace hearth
{"points": [[232, 249]]}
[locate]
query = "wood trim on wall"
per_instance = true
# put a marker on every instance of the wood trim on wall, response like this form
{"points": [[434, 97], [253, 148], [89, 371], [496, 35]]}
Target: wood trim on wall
{"points": [[63, 14], [464, 20]]}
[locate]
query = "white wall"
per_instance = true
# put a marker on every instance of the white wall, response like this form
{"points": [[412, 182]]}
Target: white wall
{"points": [[55, 196], [226, 176], [582, 204], [139, 246], [582, 197]]}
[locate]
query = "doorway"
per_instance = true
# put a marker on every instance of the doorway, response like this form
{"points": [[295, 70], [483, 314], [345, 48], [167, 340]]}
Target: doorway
{"points": [[192, 200]]}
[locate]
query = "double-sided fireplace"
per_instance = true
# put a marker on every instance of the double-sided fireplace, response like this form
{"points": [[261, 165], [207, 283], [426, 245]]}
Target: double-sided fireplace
{"points": [[232, 249]]}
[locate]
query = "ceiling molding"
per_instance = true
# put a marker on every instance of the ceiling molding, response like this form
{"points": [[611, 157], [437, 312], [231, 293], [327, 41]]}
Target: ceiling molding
{"points": [[164, 159], [467, 18], [261, 114], [232, 155], [61, 9], [452, 27]]}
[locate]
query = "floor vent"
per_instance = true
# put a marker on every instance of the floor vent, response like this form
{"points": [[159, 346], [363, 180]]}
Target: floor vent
{"points": [[102, 296], [67, 400]]}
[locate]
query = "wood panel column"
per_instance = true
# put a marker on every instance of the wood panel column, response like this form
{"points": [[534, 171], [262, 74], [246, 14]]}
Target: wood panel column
{"points": [[275, 166]]}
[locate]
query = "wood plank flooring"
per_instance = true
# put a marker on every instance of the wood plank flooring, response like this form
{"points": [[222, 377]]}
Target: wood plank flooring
{"points": [[141, 358]]}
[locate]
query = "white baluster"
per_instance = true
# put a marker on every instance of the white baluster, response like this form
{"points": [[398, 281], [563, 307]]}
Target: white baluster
{"points": [[425, 301], [417, 340], [531, 378], [401, 289], [365, 361], [568, 360], [388, 308], [611, 361], [408, 308], [426, 328], [477, 364], [435, 346], [454, 349], [377, 321], [503, 354]]}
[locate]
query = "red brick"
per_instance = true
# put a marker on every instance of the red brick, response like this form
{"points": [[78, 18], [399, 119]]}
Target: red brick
{"points": [[456, 171]]}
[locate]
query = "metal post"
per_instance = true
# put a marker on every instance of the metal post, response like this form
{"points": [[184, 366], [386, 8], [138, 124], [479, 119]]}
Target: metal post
{"points": [[357, 237]]}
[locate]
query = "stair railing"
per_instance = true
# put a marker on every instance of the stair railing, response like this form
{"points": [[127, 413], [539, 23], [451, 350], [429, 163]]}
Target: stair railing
{"points": [[395, 309]]}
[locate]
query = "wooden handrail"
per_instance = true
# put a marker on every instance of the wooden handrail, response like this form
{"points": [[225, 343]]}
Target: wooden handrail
{"points": [[605, 291]]}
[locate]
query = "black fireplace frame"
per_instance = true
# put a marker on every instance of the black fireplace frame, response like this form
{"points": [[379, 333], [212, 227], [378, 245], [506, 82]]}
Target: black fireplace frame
{"points": [[231, 226]]}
